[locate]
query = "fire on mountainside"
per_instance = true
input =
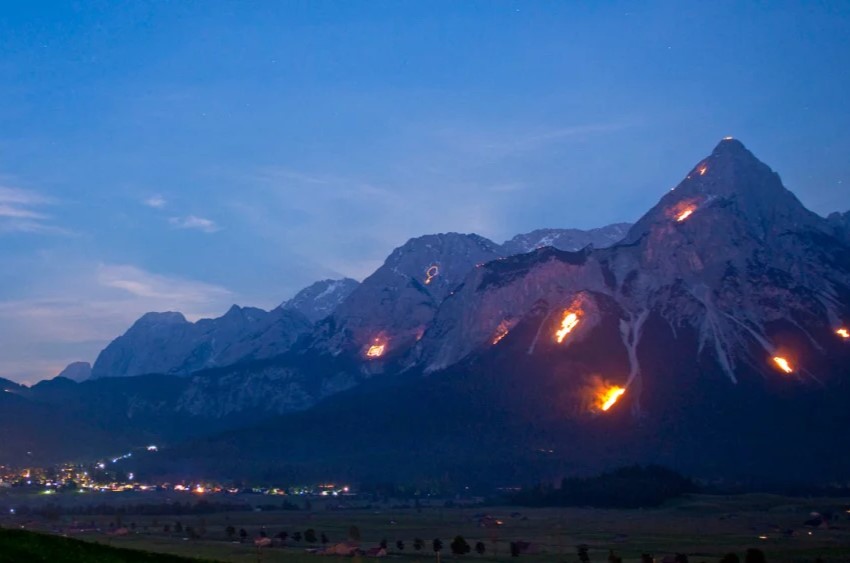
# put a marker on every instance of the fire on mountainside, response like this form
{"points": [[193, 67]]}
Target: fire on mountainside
{"points": [[569, 320]]}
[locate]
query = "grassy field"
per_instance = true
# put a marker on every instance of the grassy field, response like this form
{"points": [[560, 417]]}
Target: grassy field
{"points": [[703, 527]]}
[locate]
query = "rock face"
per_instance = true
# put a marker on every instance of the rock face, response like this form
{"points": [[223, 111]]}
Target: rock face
{"points": [[393, 307], [320, 299], [659, 349], [396, 304], [840, 223], [683, 318], [566, 239], [729, 254], [76, 371], [167, 343]]}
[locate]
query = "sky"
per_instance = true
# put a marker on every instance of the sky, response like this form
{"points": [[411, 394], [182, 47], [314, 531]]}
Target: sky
{"points": [[191, 155]]}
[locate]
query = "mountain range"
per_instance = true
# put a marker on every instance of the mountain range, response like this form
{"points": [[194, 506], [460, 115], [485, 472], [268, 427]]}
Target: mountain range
{"points": [[709, 336]]}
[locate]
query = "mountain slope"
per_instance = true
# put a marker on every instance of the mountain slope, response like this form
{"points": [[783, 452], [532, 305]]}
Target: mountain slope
{"points": [[728, 252], [566, 239], [76, 371], [168, 343], [393, 306], [320, 299], [661, 348]]}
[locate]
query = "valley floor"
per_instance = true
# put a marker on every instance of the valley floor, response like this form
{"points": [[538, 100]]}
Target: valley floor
{"points": [[701, 526]]}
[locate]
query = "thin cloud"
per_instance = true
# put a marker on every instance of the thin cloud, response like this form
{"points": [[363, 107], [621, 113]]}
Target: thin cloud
{"points": [[500, 144], [156, 201], [21, 211], [164, 289], [94, 304], [194, 222]]}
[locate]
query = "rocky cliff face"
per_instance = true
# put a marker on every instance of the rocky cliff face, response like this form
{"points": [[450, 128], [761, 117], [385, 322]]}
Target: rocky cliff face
{"points": [[729, 254], [320, 299], [840, 223], [392, 308], [566, 239], [169, 344], [619, 352], [76, 371]]}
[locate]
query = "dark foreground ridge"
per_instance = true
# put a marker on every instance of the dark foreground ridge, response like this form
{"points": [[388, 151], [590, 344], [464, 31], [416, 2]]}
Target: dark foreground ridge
{"points": [[19, 546]]}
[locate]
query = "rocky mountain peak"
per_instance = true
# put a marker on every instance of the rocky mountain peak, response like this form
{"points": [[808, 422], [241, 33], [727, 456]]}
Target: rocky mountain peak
{"points": [[164, 319], [76, 371], [321, 298], [567, 239], [729, 186]]}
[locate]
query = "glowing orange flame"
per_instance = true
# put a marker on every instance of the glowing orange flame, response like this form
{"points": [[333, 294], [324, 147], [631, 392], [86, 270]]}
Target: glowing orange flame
{"points": [[568, 323], [501, 332], [783, 364], [843, 333], [599, 395], [431, 273], [685, 214], [702, 170], [376, 350], [609, 397], [682, 210]]}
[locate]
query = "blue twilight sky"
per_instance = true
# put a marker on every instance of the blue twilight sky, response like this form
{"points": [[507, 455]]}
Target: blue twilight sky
{"points": [[189, 155]]}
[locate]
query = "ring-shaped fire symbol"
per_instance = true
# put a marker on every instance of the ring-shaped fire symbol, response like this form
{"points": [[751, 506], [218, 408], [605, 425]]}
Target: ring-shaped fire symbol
{"points": [[431, 273]]}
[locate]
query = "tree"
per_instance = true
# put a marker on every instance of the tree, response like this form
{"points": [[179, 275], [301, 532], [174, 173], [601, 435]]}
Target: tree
{"points": [[324, 539], [282, 536], [731, 558], [418, 544], [230, 531], [383, 544], [296, 536], [460, 546], [646, 558], [613, 557], [480, 548], [354, 533], [178, 527], [754, 555], [437, 544], [582, 553], [680, 558], [310, 535], [243, 534], [399, 545]]}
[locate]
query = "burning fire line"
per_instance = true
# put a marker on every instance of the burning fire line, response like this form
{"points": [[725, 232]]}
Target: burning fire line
{"points": [[783, 364], [702, 170], [600, 395], [568, 323], [685, 214], [843, 333], [376, 350], [501, 332], [610, 397]]}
